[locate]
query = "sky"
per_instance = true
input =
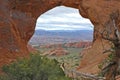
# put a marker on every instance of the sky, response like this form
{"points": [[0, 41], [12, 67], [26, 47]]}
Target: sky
{"points": [[63, 18]]}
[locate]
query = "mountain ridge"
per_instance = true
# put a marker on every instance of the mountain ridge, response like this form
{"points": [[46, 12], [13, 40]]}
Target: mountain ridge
{"points": [[60, 36]]}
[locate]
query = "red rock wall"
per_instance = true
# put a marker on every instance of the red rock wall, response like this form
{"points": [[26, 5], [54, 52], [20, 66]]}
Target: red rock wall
{"points": [[18, 18]]}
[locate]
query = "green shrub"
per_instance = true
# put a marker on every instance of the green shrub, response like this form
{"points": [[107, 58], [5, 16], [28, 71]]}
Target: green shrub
{"points": [[35, 68]]}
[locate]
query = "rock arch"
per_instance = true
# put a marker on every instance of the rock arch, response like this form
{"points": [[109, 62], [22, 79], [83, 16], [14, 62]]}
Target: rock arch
{"points": [[18, 18]]}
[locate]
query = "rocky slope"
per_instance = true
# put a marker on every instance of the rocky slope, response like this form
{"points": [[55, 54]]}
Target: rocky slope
{"points": [[56, 52], [81, 44], [31, 49], [18, 18]]}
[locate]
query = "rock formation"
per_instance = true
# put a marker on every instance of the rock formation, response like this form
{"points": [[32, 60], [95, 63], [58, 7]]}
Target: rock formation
{"points": [[18, 18], [81, 44], [31, 49], [56, 52]]}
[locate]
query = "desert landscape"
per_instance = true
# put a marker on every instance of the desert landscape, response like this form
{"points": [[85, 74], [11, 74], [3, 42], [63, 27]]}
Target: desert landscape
{"points": [[51, 56]]}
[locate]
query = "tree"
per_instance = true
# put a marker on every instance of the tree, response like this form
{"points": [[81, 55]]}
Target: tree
{"points": [[112, 34]]}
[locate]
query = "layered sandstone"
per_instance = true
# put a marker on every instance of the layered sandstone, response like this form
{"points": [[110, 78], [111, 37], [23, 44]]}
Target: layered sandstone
{"points": [[81, 44], [56, 52], [18, 18]]}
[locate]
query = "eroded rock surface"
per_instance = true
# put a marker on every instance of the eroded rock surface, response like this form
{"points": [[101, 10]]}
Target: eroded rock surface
{"points": [[18, 19]]}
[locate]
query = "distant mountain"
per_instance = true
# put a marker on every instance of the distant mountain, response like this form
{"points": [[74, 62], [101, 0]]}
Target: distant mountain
{"points": [[43, 37]]}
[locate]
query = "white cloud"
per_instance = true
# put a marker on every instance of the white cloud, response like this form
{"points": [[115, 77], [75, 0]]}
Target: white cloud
{"points": [[62, 18]]}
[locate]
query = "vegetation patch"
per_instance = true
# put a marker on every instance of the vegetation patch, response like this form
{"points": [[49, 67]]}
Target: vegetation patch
{"points": [[70, 60], [35, 68], [103, 66]]}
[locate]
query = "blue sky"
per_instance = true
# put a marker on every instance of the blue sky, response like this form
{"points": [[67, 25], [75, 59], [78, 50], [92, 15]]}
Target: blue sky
{"points": [[63, 18]]}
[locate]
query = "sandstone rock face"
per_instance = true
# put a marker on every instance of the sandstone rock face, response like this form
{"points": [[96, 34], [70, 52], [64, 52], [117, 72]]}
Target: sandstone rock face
{"points": [[18, 19], [81, 44], [56, 52]]}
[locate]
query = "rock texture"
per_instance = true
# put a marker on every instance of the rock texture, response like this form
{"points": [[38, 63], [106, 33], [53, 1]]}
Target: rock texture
{"points": [[18, 18], [56, 52], [92, 56], [81, 44], [31, 49]]}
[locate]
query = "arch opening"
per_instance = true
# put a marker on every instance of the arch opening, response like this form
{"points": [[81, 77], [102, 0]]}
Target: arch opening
{"points": [[62, 32], [64, 19]]}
